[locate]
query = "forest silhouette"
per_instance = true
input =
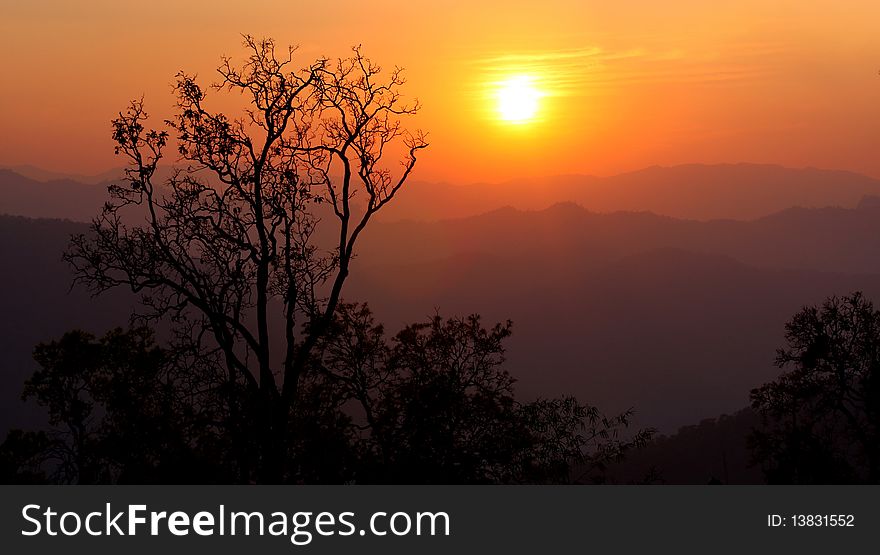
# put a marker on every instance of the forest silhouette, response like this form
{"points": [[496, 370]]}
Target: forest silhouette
{"points": [[243, 363]]}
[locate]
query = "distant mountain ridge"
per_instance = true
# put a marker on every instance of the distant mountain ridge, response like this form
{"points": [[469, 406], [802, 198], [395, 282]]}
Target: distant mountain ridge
{"points": [[822, 239], [678, 335], [625, 309], [695, 191], [40, 174], [62, 199], [677, 317]]}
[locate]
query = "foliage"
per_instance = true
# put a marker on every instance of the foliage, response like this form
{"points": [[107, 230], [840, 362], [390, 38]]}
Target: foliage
{"points": [[123, 410], [822, 417], [24, 456], [436, 406], [256, 227], [433, 404]]}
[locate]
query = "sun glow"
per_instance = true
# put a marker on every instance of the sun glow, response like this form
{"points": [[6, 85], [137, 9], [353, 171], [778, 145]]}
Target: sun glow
{"points": [[518, 99]]}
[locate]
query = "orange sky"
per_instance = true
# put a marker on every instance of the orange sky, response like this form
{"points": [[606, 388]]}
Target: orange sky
{"points": [[625, 84]]}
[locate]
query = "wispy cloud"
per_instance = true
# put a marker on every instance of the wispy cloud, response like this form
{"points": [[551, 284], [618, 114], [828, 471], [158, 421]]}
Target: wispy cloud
{"points": [[566, 72]]}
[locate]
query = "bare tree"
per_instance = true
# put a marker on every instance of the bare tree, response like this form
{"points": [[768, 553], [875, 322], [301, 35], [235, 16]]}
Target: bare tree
{"points": [[233, 243]]}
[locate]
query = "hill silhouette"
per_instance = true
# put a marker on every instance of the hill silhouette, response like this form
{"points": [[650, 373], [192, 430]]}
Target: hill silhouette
{"points": [[696, 191], [40, 174], [61, 198], [677, 318], [825, 239], [679, 335]]}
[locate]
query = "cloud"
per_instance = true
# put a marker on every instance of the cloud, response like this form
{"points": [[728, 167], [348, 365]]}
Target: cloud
{"points": [[566, 72]]}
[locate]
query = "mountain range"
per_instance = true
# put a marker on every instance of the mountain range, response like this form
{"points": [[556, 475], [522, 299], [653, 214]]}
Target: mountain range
{"points": [[700, 192], [674, 305]]}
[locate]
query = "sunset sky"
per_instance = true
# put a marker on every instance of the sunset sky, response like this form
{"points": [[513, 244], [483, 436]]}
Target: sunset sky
{"points": [[607, 86]]}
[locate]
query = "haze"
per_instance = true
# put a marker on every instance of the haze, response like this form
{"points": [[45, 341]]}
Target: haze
{"points": [[628, 84], [649, 191]]}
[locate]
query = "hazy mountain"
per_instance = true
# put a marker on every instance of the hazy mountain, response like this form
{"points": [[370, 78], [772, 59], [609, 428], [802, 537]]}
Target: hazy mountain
{"points": [[869, 201], [680, 336], [828, 239], [677, 318], [627, 307], [40, 174], [41, 194], [63, 198], [37, 304], [701, 192]]}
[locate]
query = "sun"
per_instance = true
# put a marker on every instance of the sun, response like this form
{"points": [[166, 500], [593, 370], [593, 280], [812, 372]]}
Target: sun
{"points": [[518, 99]]}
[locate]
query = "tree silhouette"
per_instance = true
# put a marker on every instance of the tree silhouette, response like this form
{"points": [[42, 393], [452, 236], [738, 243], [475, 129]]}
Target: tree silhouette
{"points": [[255, 230], [23, 457], [437, 406], [822, 417], [431, 404], [125, 410]]}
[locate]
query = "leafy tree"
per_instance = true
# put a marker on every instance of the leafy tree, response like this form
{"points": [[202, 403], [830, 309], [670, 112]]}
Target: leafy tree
{"points": [[822, 417], [436, 406], [432, 404], [255, 230], [23, 457], [124, 410]]}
